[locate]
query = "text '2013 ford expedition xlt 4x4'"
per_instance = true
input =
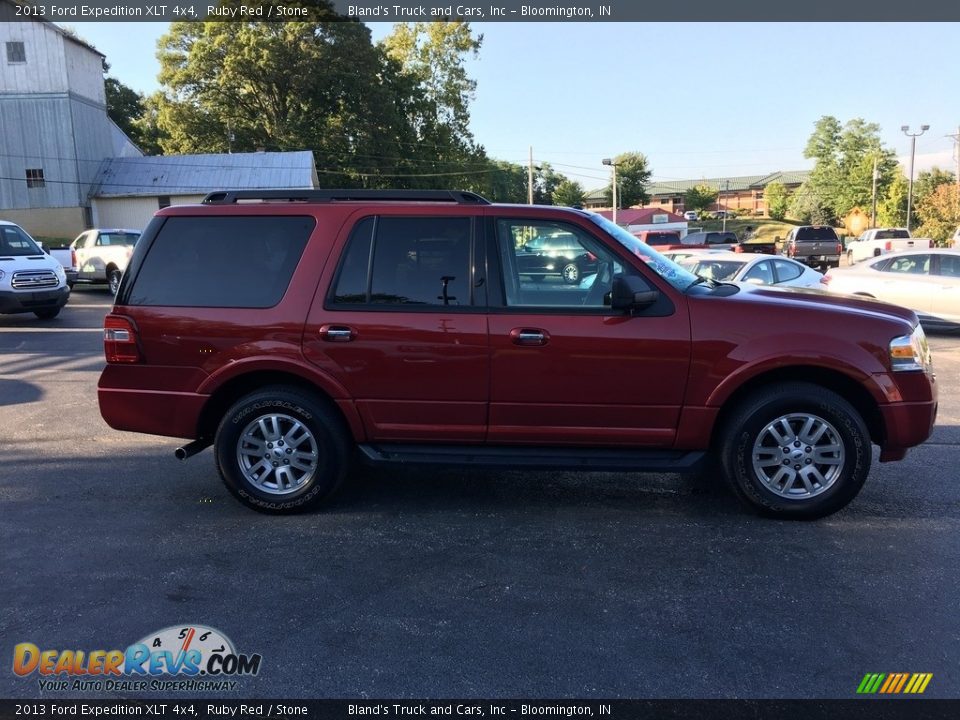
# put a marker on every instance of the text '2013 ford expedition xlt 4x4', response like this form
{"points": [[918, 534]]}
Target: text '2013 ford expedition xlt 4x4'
{"points": [[404, 325]]}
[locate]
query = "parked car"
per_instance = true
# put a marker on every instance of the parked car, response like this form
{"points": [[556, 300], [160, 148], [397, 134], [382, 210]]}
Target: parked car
{"points": [[690, 215], [30, 280], [927, 282], [102, 255], [755, 269], [879, 241], [721, 214], [815, 245], [555, 254], [400, 327]]}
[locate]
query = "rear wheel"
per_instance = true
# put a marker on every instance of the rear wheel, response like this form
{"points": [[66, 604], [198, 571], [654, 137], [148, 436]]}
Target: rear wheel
{"points": [[795, 451], [281, 450], [571, 273], [113, 280]]}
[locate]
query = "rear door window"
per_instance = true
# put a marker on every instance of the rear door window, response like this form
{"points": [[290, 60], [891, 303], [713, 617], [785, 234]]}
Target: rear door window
{"points": [[231, 262], [410, 261], [816, 234]]}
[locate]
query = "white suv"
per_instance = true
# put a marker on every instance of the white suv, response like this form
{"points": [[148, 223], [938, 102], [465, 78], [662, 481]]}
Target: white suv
{"points": [[30, 280]]}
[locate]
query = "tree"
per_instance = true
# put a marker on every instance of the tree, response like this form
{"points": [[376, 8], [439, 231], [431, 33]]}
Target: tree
{"points": [[699, 197], [633, 174], [430, 57], [545, 182], [940, 211], [928, 181], [842, 177], [284, 86], [777, 200], [892, 209], [124, 105], [569, 193]]}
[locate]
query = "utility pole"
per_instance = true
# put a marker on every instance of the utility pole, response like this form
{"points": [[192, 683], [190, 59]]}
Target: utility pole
{"points": [[530, 179], [612, 164], [873, 212]]}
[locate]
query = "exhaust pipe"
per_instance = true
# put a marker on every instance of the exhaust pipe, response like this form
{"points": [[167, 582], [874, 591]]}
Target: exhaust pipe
{"points": [[191, 449]]}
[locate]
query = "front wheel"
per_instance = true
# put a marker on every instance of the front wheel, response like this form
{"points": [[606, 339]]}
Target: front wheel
{"points": [[281, 450], [47, 314], [796, 451]]}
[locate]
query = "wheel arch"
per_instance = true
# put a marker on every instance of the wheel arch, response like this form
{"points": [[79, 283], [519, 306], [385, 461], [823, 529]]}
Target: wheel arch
{"points": [[231, 390], [843, 385]]}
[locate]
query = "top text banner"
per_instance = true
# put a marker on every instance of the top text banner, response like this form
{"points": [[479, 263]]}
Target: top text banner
{"points": [[854, 11]]}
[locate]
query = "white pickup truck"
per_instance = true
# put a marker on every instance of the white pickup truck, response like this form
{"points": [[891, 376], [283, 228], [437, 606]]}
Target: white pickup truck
{"points": [[102, 255], [880, 241]]}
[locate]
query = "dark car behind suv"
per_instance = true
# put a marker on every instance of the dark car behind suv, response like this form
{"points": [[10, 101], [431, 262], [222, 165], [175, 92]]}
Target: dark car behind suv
{"points": [[297, 331]]}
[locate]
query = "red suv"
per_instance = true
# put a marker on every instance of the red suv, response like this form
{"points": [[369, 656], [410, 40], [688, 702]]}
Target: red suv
{"points": [[300, 331]]}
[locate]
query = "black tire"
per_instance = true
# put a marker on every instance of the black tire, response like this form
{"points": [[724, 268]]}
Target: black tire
{"points": [[751, 423], [113, 280], [570, 273], [329, 444], [47, 314]]}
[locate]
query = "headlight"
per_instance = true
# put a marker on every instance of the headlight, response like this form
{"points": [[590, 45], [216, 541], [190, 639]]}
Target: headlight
{"points": [[2, 273], [910, 352], [60, 272]]}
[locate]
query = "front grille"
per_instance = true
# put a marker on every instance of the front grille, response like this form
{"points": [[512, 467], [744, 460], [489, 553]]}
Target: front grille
{"points": [[34, 280]]}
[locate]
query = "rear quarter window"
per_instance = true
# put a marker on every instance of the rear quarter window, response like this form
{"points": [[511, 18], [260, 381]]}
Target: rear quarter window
{"points": [[232, 262]]}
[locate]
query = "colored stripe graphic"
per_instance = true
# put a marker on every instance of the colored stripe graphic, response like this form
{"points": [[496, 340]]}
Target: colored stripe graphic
{"points": [[894, 683]]}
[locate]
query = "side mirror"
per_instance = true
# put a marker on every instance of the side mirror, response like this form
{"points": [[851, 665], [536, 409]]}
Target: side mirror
{"points": [[631, 292]]}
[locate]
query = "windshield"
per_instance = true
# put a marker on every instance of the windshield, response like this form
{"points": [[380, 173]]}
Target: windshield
{"points": [[713, 269], [667, 269], [14, 241], [117, 238]]}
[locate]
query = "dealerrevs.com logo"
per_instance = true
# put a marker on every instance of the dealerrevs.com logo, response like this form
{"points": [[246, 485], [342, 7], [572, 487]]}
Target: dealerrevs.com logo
{"points": [[186, 657]]}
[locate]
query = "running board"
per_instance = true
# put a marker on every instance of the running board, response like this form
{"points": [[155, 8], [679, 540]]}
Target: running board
{"points": [[535, 458]]}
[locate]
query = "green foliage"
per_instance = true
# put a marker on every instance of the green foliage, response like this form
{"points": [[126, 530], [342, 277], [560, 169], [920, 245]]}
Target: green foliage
{"points": [[699, 197], [569, 193], [778, 200], [928, 181], [940, 212], [842, 177], [124, 106], [892, 209], [633, 175]]}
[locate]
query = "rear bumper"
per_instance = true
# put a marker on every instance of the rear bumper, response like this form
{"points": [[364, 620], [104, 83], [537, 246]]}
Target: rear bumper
{"points": [[23, 302], [153, 412]]}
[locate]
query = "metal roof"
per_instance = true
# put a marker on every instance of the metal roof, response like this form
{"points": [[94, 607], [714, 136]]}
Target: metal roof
{"points": [[743, 182], [201, 174]]}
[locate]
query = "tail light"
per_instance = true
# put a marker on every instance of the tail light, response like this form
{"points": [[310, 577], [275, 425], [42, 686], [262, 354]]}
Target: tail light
{"points": [[792, 250], [888, 246], [120, 340], [73, 258], [825, 280], [839, 248], [738, 249]]}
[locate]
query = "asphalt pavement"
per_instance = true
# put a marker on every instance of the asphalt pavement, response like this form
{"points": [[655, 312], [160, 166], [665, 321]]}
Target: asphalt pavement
{"points": [[451, 583]]}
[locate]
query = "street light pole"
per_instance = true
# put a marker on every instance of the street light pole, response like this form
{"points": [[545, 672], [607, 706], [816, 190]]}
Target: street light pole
{"points": [[913, 152], [611, 163]]}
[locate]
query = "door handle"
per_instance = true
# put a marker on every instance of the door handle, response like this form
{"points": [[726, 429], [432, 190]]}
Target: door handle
{"points": [[337, 333], [529, 336]]}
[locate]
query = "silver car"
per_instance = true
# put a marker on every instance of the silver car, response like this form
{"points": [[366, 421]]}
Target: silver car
{"points": [[926, 281]]}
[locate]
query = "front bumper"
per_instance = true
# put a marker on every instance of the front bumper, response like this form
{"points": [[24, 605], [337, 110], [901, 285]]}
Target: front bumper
{"points": [[908, 420], [16, 301]]}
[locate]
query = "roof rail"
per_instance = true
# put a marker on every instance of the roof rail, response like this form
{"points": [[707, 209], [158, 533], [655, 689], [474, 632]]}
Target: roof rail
{"points": [[460, 197]]}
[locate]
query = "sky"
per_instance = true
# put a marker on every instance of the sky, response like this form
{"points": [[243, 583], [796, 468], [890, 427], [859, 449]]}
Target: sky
{"points": [[700, 100]]}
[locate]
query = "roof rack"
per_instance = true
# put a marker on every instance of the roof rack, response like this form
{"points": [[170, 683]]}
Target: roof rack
{"points": [[460, 197]]}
